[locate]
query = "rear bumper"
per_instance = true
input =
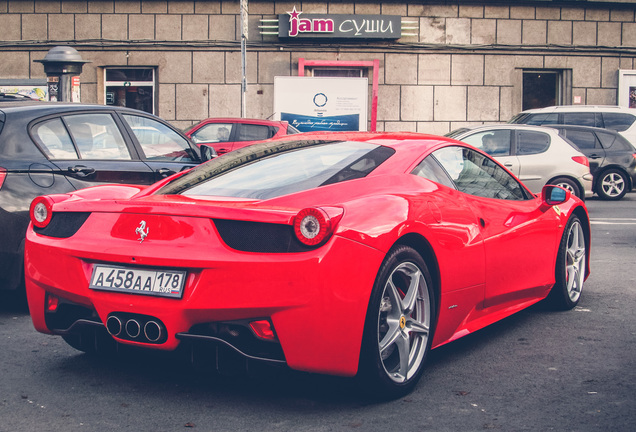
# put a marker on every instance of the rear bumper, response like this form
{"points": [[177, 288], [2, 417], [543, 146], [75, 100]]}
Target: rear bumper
{"points": [[316, 306]]}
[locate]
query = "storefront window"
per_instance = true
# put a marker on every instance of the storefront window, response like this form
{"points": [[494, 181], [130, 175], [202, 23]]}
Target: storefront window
{"points": [[131, 87]]}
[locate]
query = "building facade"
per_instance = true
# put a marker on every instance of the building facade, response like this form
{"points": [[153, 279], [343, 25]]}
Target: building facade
{"points": [[453, 63]]}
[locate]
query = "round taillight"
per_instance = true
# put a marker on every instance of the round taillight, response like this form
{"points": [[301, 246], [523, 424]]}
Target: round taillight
{"points": [[312, 226], [41, 211]]}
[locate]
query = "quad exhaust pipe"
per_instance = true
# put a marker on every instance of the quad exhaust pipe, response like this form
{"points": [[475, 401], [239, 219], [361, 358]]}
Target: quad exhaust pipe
{"points": [[139, 328]]}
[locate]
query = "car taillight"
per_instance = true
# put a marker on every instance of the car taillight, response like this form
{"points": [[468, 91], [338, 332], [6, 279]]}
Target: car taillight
{"points": [[312, 226], [3, 175], [582, 160], [41, 211]]}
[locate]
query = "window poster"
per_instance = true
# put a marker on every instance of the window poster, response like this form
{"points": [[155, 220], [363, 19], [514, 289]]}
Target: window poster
{"points": [[322, 104], [627, 88]]}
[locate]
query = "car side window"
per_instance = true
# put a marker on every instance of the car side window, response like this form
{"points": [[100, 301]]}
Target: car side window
{"points": [[249, 132], [430, 169], [97, 137], [54, 139], [494, 142], [213, 132], [582, 139], [581, 119], [475, 174], [542, 119], [158, 141], [532, 142], [618, 121]]}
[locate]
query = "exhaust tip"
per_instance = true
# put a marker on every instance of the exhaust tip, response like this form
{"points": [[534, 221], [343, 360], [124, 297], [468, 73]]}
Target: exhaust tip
{"points": [[133, 329], [114, 325], [153, 331]]}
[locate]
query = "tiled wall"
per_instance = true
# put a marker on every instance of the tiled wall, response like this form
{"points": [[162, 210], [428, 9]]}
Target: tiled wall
{"points": [[462, 67]]}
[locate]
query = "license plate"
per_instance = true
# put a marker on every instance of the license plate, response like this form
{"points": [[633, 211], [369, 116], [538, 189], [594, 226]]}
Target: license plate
{"points": [[165, 283]]}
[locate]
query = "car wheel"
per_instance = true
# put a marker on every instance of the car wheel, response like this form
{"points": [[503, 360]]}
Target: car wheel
{"points": [[399, 325], [570, 267], [612, 185], [568, 184]]}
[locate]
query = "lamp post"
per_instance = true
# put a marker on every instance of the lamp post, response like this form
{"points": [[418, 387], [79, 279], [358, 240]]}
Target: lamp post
{"points": [[63, 65]]}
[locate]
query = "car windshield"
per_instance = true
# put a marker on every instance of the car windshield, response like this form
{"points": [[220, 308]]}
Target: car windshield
{"points": [[288, 168]]}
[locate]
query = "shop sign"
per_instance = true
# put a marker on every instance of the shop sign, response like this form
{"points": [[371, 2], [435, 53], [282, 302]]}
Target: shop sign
{"points": [[298, 25], [313, 104]]}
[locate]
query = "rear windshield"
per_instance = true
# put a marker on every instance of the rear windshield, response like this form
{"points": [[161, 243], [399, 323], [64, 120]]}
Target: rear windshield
{"points": [[270, 175]]}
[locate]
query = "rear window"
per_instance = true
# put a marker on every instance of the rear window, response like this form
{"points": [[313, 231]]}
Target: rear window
{"points": [[250, 132], [531, 142], [582, 139], [615, 142], [618, 121], [536, 119], [263, 173]]}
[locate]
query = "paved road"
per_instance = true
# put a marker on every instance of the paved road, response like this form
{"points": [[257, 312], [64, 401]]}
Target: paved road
{"points": [[536, 371]]}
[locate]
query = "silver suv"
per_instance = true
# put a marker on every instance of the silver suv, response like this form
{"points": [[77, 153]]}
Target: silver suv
{"points": [[619, 119]]}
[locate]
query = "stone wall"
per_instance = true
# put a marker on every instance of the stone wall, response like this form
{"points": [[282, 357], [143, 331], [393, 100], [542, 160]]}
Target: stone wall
{"points": [[462, 67]]}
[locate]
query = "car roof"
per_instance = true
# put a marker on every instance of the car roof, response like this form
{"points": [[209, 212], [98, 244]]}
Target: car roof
{"points": [[580, 108], [580, 127], [43, 108], [242, 120], [501, 126]]}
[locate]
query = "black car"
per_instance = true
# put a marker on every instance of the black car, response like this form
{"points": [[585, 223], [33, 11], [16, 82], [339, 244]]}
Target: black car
{"points": [[49, 148], [612, 158]]}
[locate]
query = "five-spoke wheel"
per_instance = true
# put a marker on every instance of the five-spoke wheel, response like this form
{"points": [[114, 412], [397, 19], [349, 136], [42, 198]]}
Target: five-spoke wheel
{"points": [[399, 326], [570, 267], [612, 185]]}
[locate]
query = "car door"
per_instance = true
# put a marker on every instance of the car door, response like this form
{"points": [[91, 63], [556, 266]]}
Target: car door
{"points": [[534, 168], [162, 148], [519, 236], [249, 134], [497, 143], [88, 148], [220, 136]]}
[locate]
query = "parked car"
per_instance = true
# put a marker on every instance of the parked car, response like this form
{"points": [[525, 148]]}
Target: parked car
{"points": [[538, 156], [58, 148], [353, 255], [612, 158], [228, 134], [619, 119]]}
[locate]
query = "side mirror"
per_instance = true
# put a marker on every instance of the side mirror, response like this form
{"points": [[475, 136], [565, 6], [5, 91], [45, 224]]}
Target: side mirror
{"points": [[207, 153], [554, 195]]}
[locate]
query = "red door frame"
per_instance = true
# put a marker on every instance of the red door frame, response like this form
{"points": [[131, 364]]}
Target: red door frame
{"points": [[375, 64]]}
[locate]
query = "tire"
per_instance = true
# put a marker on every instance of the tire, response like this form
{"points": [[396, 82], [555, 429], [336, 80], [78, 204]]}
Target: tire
{"points": [[612, 185], [570, 267], [569, 184], [396, 330]]}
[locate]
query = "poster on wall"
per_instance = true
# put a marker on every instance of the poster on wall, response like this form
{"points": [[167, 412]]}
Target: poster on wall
{"points": [[322, 104], [34, 92], [627, 88]]}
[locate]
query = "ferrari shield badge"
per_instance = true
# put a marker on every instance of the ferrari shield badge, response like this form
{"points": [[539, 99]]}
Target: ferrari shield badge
{"points": [[142, 231]]}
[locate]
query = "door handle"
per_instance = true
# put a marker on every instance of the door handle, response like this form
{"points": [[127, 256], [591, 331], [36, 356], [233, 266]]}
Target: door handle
{"points": [[508, 165], [165, 172], [81, 170]]}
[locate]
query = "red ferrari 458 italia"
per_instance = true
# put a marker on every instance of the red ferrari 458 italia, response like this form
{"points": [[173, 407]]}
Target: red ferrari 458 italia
{"points": [[341, 253]]}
